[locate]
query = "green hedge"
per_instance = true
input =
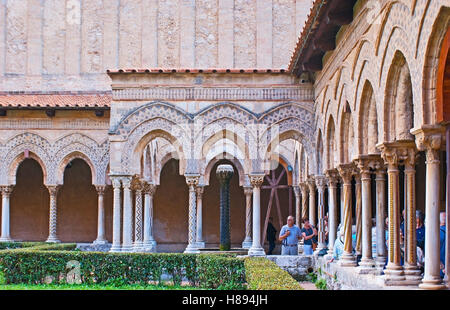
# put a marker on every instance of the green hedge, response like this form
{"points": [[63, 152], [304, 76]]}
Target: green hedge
{"points": [[19, 245], [263, 274], [221, 272]]}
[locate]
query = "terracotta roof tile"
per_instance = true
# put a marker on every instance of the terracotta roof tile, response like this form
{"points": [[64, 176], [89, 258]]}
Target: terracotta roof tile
{"points": [[15, 100], [197, 70]]}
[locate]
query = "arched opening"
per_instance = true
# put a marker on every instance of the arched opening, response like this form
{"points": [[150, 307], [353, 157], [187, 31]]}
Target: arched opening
{"points": [[170, 209], [368, 126], [211, 209], [347, 135], [331, 144], [29, 203], [77, 214]]}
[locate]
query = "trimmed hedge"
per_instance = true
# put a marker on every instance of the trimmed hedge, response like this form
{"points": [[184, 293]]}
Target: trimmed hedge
{"points": [[19, 245], [263, 274], [221, 272]]}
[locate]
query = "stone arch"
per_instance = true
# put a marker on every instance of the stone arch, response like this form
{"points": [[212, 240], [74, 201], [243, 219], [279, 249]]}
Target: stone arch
{"points": [[346, 135], [238, 164], [368, 121], [61, 167], [398, 111], [319, 153], [14, 165]]}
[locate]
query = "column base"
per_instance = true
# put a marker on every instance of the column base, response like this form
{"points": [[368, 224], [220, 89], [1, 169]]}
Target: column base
{"points": [[127, 248], [255, 251], [432, 284], [115, 248], [52, 240], [366, 266], [247, 244], [100, 242], [347, 260], [394, 275], [6, 239], [412, 275], [200, 244], [138, 246], [191, 249], [149, 246]]}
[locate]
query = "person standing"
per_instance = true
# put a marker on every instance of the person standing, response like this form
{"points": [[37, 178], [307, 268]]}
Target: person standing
{"points": [[442, 217], [289, 236], [271, 236], [308, 232]]}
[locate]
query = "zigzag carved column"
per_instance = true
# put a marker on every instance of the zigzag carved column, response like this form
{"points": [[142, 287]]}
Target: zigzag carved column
{"points": [[348, 258], [53, 190], [138, 236]]}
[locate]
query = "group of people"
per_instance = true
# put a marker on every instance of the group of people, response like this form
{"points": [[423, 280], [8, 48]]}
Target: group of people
{"points": [[291, 234]]}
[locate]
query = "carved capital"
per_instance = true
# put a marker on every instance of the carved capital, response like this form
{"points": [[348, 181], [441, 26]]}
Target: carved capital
{"points": [[100, 189], [126, 182], [304, 189], [200, 190], [149, 188], [346, 173], [192, 181], [256, 180], [430, 139], [224, 173], [332, 177], [248, 190], [320, 182], [6, 190], [397, 153], [311, 183], [53, 189], [296, 191], [116, 182]]}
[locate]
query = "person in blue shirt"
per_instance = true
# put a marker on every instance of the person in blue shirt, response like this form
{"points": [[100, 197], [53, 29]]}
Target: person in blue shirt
{"points": [[290, 234], [420, 230], [442, 217], [308, 232]]}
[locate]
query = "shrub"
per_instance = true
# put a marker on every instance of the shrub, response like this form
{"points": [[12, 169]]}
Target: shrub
{"points": [[263, 274], [18, 245], [221, 272]]}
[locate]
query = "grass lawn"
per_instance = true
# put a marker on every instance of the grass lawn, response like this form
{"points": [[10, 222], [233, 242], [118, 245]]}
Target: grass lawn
{"points": [[91, 287]]}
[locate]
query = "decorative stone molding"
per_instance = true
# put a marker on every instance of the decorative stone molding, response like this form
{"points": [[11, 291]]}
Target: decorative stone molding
{"points": [[257, 180], [396, 153]]}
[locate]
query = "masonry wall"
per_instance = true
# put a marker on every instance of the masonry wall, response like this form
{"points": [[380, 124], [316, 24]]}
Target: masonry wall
{"points": [[48, 45]]}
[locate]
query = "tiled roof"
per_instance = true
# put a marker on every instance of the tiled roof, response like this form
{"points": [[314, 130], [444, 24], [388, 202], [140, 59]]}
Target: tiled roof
{"points": [[18, 100], [189, 70]]}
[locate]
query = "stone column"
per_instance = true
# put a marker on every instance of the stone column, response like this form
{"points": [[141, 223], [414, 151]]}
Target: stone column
{"points": [[392, 153], [138, 234], [256, 248], [248, 191], [199, 237], [127, 242], [367, 262], [380, 180], [347, 259], [312, 201], [224, 174], [320, 182], [298, 219], [332, 210], [101, 215], [6, 232], [412, 272], [192, 182], [117, 206], [53, 190], [304, 190], [358, 209], [149, 243], [429, 139]]}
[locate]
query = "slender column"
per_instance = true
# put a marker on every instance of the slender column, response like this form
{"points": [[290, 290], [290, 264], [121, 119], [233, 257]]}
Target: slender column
{"points": [[138, 237], [256, 248], [127, 242], [248, 191], [332, 210], [342, 204], [200, 242], [304, 190], [429, 140], [358, 211], [6, 233], [149, 244], [320, 182], [224, 174], [392, 153], [53, 190], [298, 219], [312, 201], [367, 263], [348, 258], [117, 206], [380, 180], [101, 215], [192, 182], [412, 272]]}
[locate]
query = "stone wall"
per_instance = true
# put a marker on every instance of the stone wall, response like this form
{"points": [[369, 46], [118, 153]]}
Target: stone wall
{"points": [[69, 44]]}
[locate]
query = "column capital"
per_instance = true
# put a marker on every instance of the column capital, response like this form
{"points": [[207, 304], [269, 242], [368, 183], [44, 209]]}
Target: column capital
{"points": [[127, 182], [116, 182], [100, 189], [200, 189], [149, 188], [368, 163], [346, 172], [320, 182], [192, 180], [430, 139], [137, 184], [396, 153], [53, 189], [332, 177], [248, 190], [256, 180], [296, 190], [224, 173], [311, 183], [303, 188], [6, 190]]}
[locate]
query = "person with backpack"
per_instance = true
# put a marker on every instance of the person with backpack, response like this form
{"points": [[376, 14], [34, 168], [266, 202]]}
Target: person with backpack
{"points": [[309, 233]]}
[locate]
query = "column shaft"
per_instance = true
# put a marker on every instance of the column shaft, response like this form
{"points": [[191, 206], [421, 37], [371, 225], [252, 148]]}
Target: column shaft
{"points": [[248, 218], [53, 190], [117, 206], [149, 244], [100, 216], [200, 242], [332, 210], [127, 242], [380, 217], [6, 233], [192, 246], [138, 231], [256, 248]]}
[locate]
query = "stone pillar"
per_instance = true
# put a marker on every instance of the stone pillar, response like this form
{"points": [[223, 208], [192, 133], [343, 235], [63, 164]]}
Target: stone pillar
{"points": [[256, 248], [127, 234], [320, 182], [312, 201], [101, 215], [347, 259], [138, 233], [224, 174], [392, 153], [53, 190], [6, 232], [380, 179], [149, 243], [332, 210], [199, 234], [304, 190], [117, 206], [248, 191], [412, 272], [358, 209], [367, 262], [298, 218], [192, 182], [429, 139]]}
